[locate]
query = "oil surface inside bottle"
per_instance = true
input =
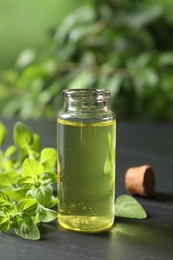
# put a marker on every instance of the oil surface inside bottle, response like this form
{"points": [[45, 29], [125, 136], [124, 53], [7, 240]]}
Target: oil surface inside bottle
{"points": [[86, 175]]}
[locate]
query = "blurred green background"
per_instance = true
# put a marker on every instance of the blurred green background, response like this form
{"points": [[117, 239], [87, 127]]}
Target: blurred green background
{"points": [[121, 45], [27, 23]]}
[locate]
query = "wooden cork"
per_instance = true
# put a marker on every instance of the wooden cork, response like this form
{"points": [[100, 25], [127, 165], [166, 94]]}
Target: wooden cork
{"points": [[140, 181]]}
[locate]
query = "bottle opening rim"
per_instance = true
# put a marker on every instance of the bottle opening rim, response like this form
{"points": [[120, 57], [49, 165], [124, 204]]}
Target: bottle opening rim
{"points": [[98, 94]]}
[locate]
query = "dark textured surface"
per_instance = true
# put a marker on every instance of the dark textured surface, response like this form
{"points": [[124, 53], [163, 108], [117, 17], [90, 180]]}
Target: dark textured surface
{"points": [[137, 144]]}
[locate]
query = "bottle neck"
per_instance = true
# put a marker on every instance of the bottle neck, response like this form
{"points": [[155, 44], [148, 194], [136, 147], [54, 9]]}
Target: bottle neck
{"points": [[86, 99], [86, 106]]}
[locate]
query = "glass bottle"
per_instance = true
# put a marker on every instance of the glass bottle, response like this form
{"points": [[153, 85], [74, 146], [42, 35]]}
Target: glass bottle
{"points": [[86, 161]]}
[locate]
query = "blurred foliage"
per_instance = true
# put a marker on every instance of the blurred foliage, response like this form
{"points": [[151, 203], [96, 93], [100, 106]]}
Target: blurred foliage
{"points": [[124, 46], [27, 23]]}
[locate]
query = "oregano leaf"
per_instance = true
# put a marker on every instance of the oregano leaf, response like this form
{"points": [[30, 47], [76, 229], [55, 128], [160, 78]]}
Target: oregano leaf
{"points": [[25, 182], [36, 143], [128, 207], [27, 229], [4, 196], [49, 177], [11, 150], [5, 180], [16, 193], [48, 158], [31, 168], [27, 206], [4, 223], [45, 215], [4, 200], [43, 195], [22, 135]]}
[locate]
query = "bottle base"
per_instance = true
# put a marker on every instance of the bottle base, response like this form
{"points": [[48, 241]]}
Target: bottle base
{"points": [[86, 224]]}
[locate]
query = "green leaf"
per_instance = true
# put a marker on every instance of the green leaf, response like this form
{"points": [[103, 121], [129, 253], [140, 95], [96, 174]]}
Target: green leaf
{"points": [[4, 196], [4, 224], [48, 158], [4, 200], [11, 150], [8, 178], [128, 207], [22, 135], [45, 215], [16, 193], [49, 177], [28, 229], [3, 133], [36, 143], [31, 168], [5, 180], [43, 195], [27, 206], [4, 203], [13, 175], [7, 164], [8, 209], [25, 182]]}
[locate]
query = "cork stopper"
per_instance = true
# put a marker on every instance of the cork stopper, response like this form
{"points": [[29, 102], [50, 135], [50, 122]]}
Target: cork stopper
{"points": [[140, 181]]}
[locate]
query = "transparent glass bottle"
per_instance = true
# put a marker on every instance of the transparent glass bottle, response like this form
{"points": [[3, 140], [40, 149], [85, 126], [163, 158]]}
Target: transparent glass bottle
{"points": [[86, 161]]}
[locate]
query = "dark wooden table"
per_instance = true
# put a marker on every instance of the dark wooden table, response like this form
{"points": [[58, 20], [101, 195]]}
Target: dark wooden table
{"points": [[137, 143]]}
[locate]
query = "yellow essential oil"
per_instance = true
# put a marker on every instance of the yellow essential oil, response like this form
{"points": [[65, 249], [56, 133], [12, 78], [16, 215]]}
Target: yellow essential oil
{"points": [[86, 175]]}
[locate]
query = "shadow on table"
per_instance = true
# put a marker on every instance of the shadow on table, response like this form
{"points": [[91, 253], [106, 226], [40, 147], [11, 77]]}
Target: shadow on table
{"points": [[163, 197]]}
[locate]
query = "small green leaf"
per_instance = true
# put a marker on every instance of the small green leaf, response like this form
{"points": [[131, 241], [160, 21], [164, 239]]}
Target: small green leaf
{"points": [[128, 207], [16, 193], [43, 195], [8, 178], [3, 133], [8, 209], [22, 135], [4, 196], [4, 224], [4, 203], [49, 177], [3, 219], [11, 150], [4, 200], [25, 182], [27, 206], [28, 229], [31, 168], [7, 164], [5, 180], [36, 143], [45, 215], [48, 158]]}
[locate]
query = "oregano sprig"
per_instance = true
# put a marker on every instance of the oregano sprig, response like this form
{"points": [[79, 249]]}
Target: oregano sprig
{"points": [[19, 215], [27, 175]]}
